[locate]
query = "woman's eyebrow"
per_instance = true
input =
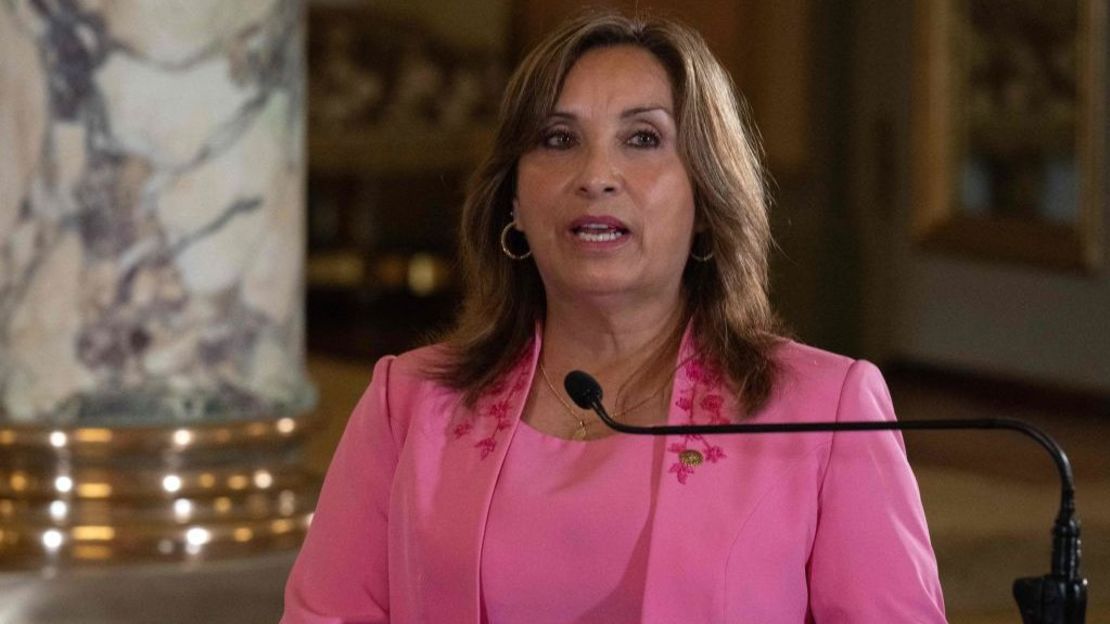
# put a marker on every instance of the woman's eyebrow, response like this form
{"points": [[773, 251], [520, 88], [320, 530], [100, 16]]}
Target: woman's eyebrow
{"points": [[639, 110], [564, 115], [630, 112]]}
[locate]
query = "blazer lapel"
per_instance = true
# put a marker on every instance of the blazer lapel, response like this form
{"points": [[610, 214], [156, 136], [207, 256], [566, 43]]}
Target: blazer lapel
{"points": [[681, 582], [453, 515]]}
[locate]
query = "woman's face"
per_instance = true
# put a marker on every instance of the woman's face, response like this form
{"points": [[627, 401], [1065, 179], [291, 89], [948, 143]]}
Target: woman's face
{"points": [[603, 198]]}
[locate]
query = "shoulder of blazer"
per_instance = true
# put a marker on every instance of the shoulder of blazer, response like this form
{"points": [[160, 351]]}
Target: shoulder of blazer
{"points": [[411, 392], [809, 385]]}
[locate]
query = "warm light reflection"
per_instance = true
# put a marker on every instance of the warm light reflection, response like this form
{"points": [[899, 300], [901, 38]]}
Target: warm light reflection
{"points": [[207, 480], [63, 484], [171, 483], [93, 435], [91, 533], [52, 539], [287, 502], [238, 482], [197, 536], [57, 439], [263, 479], [422, 274], [94, 490], [18, 481], [59, 510], [6, 507], [242, 534], [182, 437], [281, 526], [195, 539], [182, 509], [222, 505], [286, 425], [94, 552]]}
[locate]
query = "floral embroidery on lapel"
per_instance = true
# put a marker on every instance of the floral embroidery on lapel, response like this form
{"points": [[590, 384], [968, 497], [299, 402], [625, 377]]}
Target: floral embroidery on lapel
{"points": [[702, 397], [493, 413]]}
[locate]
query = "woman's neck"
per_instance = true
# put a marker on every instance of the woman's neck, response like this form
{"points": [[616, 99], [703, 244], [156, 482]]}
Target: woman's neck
{"points": [[614, 344]]}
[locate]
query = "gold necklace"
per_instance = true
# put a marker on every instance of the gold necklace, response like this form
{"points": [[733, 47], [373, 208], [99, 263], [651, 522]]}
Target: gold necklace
{"points": [[580, 432]]}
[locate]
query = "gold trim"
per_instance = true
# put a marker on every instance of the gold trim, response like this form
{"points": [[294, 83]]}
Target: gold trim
{"points": [[939, 135], [1091, 129], [95, 495], [105, 441]]}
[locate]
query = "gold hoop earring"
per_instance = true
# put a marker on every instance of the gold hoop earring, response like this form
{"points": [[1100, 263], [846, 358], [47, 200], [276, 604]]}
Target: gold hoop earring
{"points": [[505, 245], [706, 258]]}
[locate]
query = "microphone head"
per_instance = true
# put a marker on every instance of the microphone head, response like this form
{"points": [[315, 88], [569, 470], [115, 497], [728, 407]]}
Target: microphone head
{"points": [[583, 389]]}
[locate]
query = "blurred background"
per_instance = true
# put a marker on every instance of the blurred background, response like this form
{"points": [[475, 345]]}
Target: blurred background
{"points": [[938, 173]]}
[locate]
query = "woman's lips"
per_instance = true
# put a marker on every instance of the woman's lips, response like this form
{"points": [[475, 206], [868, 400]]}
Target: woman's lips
{"points": [[602, 229]]}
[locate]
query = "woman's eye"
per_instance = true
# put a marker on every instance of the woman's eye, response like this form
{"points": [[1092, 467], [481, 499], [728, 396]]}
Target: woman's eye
{"points": [[644, 138], [557, 139]]}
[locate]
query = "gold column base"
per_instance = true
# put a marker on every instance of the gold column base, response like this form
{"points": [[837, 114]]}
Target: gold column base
{"points": [[95, 495]]}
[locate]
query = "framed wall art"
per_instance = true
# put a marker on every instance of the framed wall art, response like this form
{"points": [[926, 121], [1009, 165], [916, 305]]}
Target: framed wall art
{"points": [[1009, 130]]}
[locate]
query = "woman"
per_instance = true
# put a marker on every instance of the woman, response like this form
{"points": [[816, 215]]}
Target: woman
{"points": [[619, 227]]}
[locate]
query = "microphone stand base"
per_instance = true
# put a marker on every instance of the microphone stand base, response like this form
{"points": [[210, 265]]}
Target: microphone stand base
{"points": [[1051, 600]]}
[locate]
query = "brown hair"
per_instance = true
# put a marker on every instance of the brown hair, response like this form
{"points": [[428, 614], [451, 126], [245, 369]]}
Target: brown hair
{"points": [[727, 301]]}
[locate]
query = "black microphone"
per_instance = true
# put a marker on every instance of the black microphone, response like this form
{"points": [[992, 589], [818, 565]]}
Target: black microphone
{"points": [[1059, 597]]}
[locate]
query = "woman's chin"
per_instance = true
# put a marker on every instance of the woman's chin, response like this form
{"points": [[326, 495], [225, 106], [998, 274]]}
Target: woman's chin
{"points": [[615, 287]]}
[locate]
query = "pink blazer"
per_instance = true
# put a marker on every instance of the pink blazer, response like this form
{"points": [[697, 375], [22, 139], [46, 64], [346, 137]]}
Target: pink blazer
{"points": [[769, 528]]}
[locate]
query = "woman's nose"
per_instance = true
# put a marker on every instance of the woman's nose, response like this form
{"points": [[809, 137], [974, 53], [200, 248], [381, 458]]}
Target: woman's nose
{"points": [[599, 175]]}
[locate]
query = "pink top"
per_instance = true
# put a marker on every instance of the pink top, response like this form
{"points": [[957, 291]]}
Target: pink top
{"points": [[565, 539], [768, 529]]}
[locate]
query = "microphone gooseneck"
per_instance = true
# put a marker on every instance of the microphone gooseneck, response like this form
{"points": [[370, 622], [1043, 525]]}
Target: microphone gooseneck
{"points": [[1057, 598]]}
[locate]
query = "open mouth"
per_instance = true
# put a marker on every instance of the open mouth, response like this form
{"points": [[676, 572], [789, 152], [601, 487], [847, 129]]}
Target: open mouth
{"points": [[594, 232]]}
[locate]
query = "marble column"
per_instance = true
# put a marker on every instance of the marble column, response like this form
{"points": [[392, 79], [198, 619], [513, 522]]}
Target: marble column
{"points": [[151, 210], [153, 393]]}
